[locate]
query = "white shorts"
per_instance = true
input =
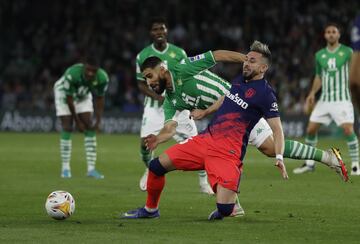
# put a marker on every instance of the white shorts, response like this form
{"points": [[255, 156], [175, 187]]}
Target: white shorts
{"points": [[340, 112], [62, 108], [153, 122], [259, 133]]}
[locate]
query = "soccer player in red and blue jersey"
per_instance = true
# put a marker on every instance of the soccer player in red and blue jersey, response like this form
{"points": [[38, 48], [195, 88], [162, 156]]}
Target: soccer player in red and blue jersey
{"points": [[220, 149]]}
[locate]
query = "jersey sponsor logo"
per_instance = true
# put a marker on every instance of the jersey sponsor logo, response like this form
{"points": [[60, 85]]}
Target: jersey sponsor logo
{"points": [[197, 57], [235, 98], [250, 93], [274, 107]]}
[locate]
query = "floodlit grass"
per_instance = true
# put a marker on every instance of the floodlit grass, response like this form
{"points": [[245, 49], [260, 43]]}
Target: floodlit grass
{"points": [[314, 208]]}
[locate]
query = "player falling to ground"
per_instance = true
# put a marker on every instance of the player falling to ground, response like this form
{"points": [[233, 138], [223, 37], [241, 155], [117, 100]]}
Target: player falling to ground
{"points": [[332, 77], [153, 116], [191, 86], [74, 103], [221, 148]]}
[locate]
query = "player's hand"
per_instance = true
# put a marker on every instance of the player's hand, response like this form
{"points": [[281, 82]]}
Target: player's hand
{"points": [[79, 125], [97, 126], [197, 114], [151, 142], [280, 164]]}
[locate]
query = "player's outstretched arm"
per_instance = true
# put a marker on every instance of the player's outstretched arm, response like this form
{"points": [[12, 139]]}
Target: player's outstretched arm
{"points": [[198, 114], [229, 56], [165, 134], [275, 125]]}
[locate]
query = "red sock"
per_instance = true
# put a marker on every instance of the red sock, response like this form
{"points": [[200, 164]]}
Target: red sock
{"points": [[155, 185]]}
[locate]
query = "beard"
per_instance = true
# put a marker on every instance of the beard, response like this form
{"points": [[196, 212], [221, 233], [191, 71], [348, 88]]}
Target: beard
{"points": [[161, 87], [249, 76]]}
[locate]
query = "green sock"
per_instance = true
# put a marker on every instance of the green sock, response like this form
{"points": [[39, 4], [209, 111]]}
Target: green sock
{"points": [[146, 155], [353, 147], [90, 149], [298, 150], [65, 149]]}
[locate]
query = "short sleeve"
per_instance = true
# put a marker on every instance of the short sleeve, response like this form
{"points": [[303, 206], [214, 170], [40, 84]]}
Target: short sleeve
{"points": [[69, 87], [139, 75], [193, 65], [103, 84], [269, 105], [169, 109]]}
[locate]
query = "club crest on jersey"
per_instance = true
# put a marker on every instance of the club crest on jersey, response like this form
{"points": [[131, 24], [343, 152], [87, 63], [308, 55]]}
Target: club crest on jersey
{"points": [[197, 57], [274, 107], [250, 93]]}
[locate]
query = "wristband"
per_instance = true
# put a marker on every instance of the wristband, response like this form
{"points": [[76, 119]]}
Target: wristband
{"points": [[279, 157]]}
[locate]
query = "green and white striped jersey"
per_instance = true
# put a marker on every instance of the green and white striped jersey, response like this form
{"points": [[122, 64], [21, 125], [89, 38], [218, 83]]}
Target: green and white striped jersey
{"points": [[333, 69], [74, 84], [171, 56], [193, 85]]}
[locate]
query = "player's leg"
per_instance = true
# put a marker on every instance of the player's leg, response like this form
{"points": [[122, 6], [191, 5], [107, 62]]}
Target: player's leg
{"points": [[188, 156], [187, 128], [353, 147], [64, 114], [343, 115], [310, 140], [298, 150], [65, 145], [320, 115], [224, 174], [152, 122], [90, 145]]}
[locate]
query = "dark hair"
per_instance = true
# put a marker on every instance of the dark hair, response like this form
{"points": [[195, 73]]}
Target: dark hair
{"points": [[150, 62], [262, 48], [92, 59], [157, 20], [337, 26]]}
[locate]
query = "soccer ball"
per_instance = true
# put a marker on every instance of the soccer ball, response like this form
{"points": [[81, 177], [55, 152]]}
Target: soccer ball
{"points": [[60, 205]]}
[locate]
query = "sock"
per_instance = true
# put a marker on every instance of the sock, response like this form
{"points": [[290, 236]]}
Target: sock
{"points": [[146, 155], [155, 185], [202, 177], [65, 149], [311, 140], [90, 149], [353, 147], [225, 208], [298, 150]]}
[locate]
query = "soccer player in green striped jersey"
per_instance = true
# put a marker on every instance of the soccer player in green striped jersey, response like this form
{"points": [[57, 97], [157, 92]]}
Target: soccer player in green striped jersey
{"points": [[73, 102], [153, 116], [334, 104], [191, 86]]}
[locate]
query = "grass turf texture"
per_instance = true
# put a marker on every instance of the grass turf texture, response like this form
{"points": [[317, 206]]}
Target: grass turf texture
{"points": [[315, 207]]}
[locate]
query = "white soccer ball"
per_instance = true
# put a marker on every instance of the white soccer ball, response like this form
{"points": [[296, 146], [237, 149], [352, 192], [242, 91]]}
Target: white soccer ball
{"points": [[60, 205]]}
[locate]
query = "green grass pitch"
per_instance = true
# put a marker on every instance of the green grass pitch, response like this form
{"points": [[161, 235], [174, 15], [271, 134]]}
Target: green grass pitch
{"points": [[312, 208]]}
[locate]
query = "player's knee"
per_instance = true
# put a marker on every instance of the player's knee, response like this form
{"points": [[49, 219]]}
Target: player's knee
{"points": [[156, 167], [225, 208]]}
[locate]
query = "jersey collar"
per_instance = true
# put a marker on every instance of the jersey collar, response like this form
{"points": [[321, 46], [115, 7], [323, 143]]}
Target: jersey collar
{"points": [[335, 50], [160, 52]]}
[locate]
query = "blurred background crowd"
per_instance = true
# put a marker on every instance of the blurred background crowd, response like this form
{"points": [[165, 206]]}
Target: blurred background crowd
{"points": [[39, 40]]}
